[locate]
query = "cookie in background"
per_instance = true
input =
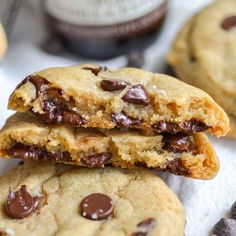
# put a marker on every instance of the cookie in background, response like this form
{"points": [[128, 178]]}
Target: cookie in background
{"points": [[204, 54]]}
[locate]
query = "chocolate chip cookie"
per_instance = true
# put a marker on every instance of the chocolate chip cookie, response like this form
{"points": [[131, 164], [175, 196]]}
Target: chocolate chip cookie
{"points": [[93, 96], [27, 137], [46, 199], [204, 51]]}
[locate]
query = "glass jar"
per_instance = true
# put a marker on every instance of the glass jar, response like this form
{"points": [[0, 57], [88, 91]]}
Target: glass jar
{"points": [[103, 29]]}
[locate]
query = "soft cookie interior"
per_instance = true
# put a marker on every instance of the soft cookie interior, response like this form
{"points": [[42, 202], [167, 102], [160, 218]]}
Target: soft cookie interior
{"points": [[182, 154]]}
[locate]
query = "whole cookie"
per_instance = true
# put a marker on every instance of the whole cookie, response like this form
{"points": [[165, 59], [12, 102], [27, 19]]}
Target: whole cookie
{"points": [[77, 201], [204, 53]]}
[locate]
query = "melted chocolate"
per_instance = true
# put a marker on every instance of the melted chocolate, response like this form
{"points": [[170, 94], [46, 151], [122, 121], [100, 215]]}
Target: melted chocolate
{"points": [[97, 160], [177, 143], [187, 127], [36, 153], [124, 121], [21, 204]]}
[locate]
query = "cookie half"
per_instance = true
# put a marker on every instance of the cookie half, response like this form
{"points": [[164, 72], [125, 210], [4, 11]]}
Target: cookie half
{"points": [[203, 53], [78, 201], [93, 96], [27, 137]]}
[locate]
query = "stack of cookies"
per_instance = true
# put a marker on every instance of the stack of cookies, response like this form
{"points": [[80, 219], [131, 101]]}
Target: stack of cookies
{"points": [[93, 117], [204, 54]]}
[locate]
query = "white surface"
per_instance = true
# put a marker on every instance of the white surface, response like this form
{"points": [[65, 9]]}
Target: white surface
{"points": [[205, 201]]}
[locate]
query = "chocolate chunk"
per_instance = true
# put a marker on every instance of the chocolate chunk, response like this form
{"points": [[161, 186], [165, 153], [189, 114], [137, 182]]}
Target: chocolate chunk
{"points": [[27, 152], [229, 23], [124, 121], [96, 206], [95, 71], [194, 126], [166, 127], [233, 211], [135, 59], [225, 227], [177, 143], [137, 94], [97, 160], [175, 167], [21, 204], [113, 85]]}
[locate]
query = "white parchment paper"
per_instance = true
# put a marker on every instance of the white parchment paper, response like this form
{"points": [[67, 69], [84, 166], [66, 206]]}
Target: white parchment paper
{"points": [[205, 201]]}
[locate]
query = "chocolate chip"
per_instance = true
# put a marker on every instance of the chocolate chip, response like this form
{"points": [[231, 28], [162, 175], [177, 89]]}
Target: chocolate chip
{"points": [[177, 143], [95, 71], [56, 156], [39, 83], [225, 227], [229, 23], [188, 127], [137, 94], [70, 117], [21, 204], [147, 224], [53, 111], [113, 85], [96, 206], [166, 127], [97, 160], [233, 211], [141, 164], [27, 152], [124, 121], [194, 126], [145, 227], [135, 59], [24, 152]]}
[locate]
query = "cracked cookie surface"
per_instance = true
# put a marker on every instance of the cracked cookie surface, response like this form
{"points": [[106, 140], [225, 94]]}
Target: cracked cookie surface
{"points": [[93, 96], [141, 202]]}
